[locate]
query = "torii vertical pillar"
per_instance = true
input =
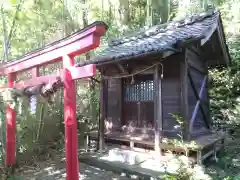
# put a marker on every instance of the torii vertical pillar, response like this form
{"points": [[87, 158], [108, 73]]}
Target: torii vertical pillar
{"points": [[10, 128], [64, 50], [71, 145]]}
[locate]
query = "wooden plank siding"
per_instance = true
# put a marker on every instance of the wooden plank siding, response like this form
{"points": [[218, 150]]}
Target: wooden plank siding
{"points": [[171, 93], [122, 112], [114, 103], [157, 109], [103, 112], [141, 114], [197, 79]]}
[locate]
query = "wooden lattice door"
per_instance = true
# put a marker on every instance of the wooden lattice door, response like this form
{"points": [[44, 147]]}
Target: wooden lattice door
{"points": [[138, 104]]}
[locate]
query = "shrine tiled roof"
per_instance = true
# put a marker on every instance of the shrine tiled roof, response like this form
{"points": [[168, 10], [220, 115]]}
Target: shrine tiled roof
{"points": [[162, 37]]}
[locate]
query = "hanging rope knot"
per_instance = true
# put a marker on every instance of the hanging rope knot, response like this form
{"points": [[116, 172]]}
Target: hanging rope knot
{"points": [[132, 80], [135, 73]]}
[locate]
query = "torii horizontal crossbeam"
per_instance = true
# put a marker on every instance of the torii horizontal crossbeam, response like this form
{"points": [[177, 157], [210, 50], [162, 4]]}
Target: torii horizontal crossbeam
{"points": [[76, 73], [80, 42]]}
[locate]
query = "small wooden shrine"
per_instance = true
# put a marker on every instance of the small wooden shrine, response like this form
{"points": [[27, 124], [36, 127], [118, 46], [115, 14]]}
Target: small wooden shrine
{"points": [[158, 72]]}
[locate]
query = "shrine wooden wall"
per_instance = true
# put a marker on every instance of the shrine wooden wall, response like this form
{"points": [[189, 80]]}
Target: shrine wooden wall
{"points": [[198, 99], [171, 96], [172, 90]]}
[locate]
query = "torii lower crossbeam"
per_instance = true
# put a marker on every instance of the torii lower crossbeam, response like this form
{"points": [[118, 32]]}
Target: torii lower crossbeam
{"points": [[64, 50]]}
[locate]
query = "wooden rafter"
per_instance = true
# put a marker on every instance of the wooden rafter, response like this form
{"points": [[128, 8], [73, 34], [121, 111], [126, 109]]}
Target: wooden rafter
{"points": [[195, 62], [197, 68], [121, 68], [198, 52]]}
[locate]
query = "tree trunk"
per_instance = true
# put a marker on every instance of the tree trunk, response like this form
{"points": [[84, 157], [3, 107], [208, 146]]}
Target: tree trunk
{"points": [[92, 104], [149, 21], [124, 11], [160, 11], [4, 31]]}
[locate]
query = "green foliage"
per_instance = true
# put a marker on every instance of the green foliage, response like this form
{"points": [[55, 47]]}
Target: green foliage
{"points": [[181, 174], [180, 142], [226, 82], [40, 22]]}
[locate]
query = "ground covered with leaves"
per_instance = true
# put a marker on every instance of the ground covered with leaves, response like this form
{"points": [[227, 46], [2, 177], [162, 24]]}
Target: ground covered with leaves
{"points": [[227, 167], [54, 169]]}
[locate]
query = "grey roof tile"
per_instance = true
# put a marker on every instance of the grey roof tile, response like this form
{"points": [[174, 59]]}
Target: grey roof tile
{"points": [[159, 37]]}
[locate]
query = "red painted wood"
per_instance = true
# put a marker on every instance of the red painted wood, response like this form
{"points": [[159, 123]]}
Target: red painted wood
{"points": [[70, 120], [83, 72], [73, 49], [65, 50], [76, 73], [77, 43], [35, 72], [10, 129], [37, 80]]}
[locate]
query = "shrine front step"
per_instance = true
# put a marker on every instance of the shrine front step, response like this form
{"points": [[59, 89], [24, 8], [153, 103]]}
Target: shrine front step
{"points": [[141, 164], [118, 167], [128, 156]]}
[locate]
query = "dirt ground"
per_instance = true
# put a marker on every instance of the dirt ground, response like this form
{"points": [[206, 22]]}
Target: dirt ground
{"points": [[227, 167], [55, 170]]}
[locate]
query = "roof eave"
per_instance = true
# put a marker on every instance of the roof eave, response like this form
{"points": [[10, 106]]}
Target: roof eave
{"points": [[223, 44], [104, 61]]}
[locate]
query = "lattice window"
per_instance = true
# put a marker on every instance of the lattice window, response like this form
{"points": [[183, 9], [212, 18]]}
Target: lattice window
{"points": [[142, 90]]}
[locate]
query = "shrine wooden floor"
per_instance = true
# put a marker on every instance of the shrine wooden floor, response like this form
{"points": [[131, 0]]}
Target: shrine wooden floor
{"points": [[203, 147]]}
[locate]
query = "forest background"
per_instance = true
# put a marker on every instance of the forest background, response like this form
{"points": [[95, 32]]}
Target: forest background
{"points": [[30, 24]]}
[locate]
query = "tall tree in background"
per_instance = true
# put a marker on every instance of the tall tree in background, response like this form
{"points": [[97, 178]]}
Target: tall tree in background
{"points": [[124, 12]]}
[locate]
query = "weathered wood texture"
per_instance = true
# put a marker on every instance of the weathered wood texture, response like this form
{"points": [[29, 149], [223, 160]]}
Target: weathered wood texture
{"points": [[184, 107], [103, 112], [171, 92], [198, 99], [114, 103], [138, 110], [157, 115], [138, 101], [206, 145]]}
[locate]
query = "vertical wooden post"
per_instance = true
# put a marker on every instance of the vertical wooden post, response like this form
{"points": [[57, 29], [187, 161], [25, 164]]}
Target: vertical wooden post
{"points": [[103, 112], [70, 120], [35, 72], [184, 97], [208, 116], [157, 113], [10, 129], [121, 101], [160, 114]]}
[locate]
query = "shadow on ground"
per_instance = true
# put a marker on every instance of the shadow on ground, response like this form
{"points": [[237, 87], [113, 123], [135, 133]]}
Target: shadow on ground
{"points": [[227, 168], [55, 170]]}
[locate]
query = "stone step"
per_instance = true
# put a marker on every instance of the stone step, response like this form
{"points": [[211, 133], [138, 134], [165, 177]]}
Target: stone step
{"points": [[128, 156]]}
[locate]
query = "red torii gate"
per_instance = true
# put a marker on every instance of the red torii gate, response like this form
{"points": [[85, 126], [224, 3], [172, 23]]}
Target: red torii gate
{"points": [[64, 50]]}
